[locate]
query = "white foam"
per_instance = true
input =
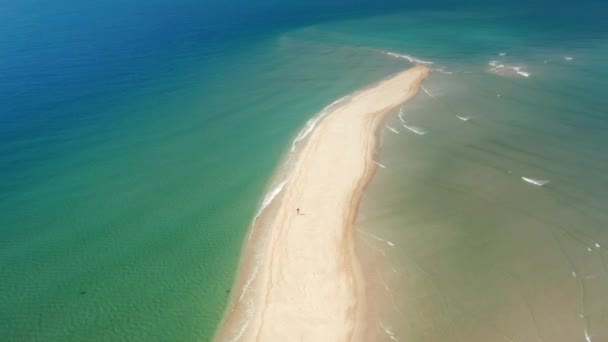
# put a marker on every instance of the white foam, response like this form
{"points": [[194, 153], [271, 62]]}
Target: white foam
{"points": [[382, 166], [312, 123], [401, 115], [250, 305], [409, 58], [417, 130], [392, 129], [589, 249], [443, 71], [248, 284], [597, 245], [463, 118], [568, 58], [573, 274], [241, 331], [501, 69], [396, 55], [502, 53], [246, 324], [251, 278], [388, 332], [587, 337], [422, 62], [428, 92], [268, 198], [378, 238], [537, 182]]}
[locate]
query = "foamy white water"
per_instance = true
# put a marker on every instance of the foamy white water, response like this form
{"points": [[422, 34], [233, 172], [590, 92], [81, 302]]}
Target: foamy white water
{"points": [[245, 324], [401, 115], [417, 130], [312, 123], [377, 238], [428, 92], [381, 165], [443, 71], [268, 198], [537, 182], [392, 129], [505, 70], [389, 333], [463, 118], [409, 58], [587, 337]]}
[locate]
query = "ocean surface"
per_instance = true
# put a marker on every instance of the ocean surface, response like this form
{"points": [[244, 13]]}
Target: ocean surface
{"points": [[138, 142]]}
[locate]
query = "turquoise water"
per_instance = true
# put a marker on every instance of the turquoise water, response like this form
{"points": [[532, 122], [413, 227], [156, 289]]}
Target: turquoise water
{"points": [[135, 151]]}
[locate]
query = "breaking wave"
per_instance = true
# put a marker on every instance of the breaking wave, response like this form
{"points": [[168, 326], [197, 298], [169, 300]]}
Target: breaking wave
{"points": [[507, 70], [417, 130], [408, 57], [268, 198], [392, 129], [537, 182], [312, 123]]}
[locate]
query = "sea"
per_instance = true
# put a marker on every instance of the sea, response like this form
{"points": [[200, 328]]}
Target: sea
{"points": [[139, 140]]}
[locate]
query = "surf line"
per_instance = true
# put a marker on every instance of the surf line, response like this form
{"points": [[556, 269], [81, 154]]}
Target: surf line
{"points": [[392, 129], [377, 238], [417, 130], [537, 182], [414, 129], [268, 198], [414, 60], [409, 58], [312, 123], [401, 115], [447, 106], [381, 165]]}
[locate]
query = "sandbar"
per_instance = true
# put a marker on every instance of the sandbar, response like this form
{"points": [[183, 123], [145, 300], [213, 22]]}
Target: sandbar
{"points": [[309, 287]]}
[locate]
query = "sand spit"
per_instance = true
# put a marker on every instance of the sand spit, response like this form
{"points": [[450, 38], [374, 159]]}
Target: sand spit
{"points": [[307, 284]]}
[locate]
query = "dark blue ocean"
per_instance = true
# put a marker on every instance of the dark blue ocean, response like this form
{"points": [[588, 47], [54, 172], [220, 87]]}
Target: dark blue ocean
{"points": [[138, 140]]}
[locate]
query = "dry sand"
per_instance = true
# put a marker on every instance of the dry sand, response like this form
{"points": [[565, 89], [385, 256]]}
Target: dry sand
{"points": [[308, 287]]}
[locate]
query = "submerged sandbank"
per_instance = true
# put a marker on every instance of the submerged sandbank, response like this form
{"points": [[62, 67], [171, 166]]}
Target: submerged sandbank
{"points": [[306, 285]]}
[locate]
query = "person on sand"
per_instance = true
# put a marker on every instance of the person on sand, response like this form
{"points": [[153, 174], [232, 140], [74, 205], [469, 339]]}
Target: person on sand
{"points": [[298, 211]]}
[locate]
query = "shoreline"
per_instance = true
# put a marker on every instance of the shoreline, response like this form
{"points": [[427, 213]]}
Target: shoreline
{"points": [[303, 276]]}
